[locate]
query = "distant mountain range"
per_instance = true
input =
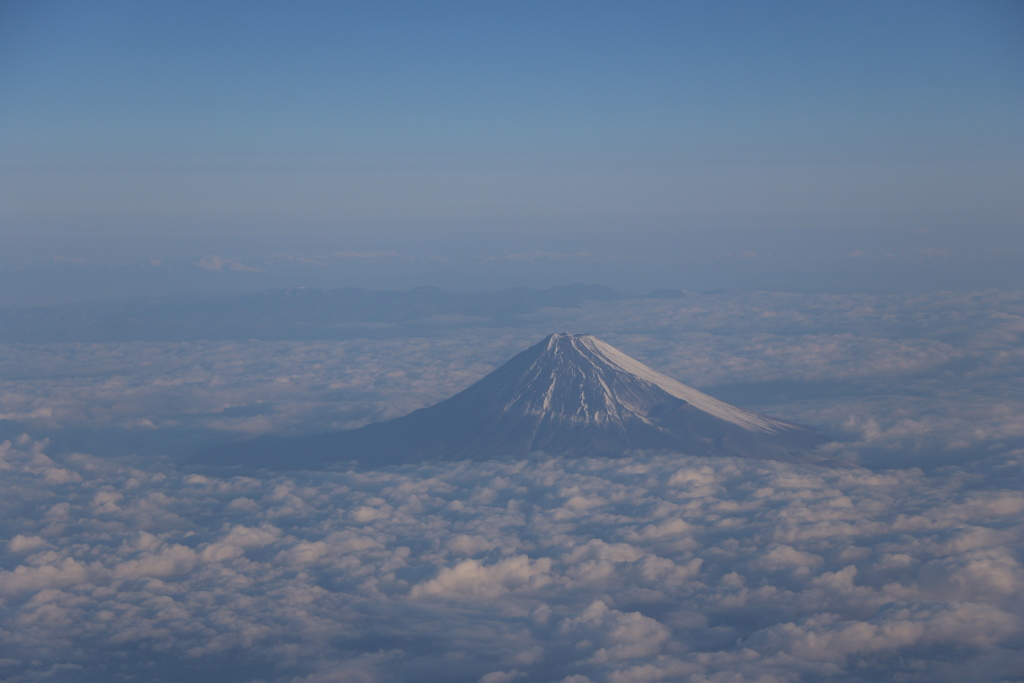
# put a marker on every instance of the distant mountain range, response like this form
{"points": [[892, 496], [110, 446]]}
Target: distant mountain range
{"points": [[569, 395], [297, 313]]}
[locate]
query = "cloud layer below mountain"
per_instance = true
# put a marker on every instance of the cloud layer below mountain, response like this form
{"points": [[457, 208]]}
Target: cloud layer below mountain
{"points": [[648, 568]]}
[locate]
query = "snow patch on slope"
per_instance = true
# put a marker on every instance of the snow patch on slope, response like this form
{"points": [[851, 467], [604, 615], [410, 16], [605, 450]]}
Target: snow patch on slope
{"points": [[595, 349]]}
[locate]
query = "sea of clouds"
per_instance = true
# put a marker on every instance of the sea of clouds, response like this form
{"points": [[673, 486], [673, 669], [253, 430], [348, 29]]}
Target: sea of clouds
{"points": [[648, 568], [653, 567]]}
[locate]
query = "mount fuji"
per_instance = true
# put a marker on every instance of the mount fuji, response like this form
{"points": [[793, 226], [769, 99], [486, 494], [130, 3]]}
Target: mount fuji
{"points": [[571, 395]]}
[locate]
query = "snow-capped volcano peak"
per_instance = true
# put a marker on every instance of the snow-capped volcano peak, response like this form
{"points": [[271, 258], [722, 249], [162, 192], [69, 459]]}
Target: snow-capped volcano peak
{"points": [[587, 379], [568, 394]]}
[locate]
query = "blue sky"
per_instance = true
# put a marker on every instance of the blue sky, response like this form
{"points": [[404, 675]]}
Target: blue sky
{"points": [[341, 123], [569, 77]]}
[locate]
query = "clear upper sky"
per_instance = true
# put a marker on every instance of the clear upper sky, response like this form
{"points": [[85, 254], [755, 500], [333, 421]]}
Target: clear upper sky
{"points": [[329, 119]]}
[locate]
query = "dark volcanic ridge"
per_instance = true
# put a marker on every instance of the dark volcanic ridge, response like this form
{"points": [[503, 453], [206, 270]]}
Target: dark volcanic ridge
{"points": [[571, 395]]}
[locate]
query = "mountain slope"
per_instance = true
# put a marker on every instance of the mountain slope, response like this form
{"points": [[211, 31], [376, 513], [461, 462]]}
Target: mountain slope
{"points": [[571, 395]]}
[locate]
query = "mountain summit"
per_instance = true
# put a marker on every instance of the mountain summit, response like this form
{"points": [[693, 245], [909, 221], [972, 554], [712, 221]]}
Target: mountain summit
{"points": [[568, 395]]}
